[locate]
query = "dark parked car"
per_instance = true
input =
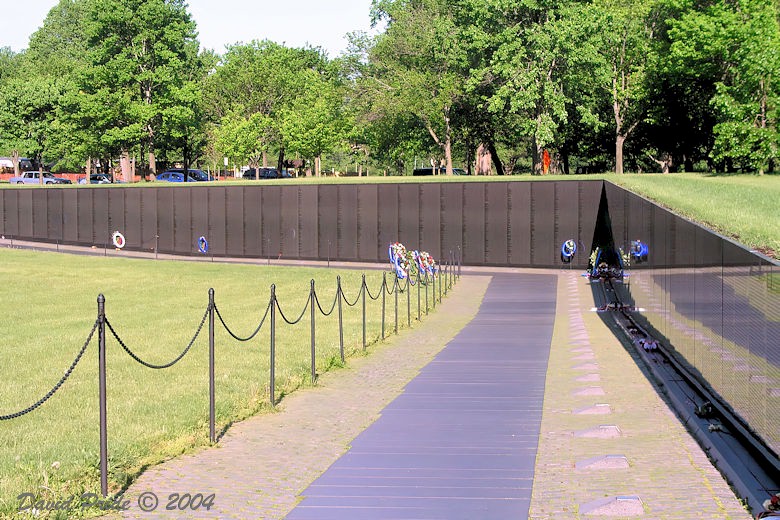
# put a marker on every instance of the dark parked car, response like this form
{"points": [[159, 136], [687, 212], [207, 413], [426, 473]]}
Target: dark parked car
{"points": [[172, 177], [441, 171], [266, 172], [195, 175], [97, 178]]}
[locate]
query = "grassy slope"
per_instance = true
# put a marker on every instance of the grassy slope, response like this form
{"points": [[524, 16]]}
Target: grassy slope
{"points": [[744, 207], [49, 308]]}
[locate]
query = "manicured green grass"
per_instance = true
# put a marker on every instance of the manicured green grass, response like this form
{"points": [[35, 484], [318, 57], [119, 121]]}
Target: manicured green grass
{"points": [[743, 207], [49, 307]]}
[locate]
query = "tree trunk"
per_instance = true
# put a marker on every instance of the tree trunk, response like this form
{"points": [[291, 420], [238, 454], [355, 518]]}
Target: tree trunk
{"points": [[688, 163], [448, 154], [152, 162], [565, 159], [494, 154], [447, 142], [537, 158], [15, 161], [124, 164], [469, 156], [265, 159], [317, 166], [280, 162], [619, 153]]}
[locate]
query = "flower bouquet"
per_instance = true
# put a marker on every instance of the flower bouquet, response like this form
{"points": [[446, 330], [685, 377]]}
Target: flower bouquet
{"points": [[771, 507]]}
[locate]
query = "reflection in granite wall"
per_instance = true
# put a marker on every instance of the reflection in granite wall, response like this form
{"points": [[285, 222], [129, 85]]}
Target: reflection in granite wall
{"points": [[716, 303]]}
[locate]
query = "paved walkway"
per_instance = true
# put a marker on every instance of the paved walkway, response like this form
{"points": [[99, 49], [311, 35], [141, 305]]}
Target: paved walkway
{"points": [[609, 446], [460, 441], [262, 464]]}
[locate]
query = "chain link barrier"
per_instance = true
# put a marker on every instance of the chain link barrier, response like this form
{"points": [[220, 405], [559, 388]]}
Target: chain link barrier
{"points": [[378, 295], [281, 313], [56, 387], [251, 336], [332, 307], [167, 365], [357, 299]]}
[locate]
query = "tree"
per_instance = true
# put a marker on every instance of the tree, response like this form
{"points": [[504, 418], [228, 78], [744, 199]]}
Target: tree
{"points": [[254, 85], [139, 53], [731, 47], [27, 114], [544, 58], [627, 32], [313, 124], [419, 67]]}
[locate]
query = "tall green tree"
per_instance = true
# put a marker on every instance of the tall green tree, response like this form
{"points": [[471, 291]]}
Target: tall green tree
{"points": [[420, 67], [314, 123], [734, 46], [28, 107], [543, 60], [139, 53], [252, 88], [628, 30]]}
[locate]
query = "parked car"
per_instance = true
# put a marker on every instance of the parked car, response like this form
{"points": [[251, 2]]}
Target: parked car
{"points": [[34, 177], [266, 172], [173, 177], [7, 164], [195, 175], [96, 178], [440, 171]]}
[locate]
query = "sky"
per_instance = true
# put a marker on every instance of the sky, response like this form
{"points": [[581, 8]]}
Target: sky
{"points": [[320, 23]]}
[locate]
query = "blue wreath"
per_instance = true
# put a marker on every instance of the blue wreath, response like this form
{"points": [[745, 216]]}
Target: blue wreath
{"points": [[568, 250], [399, 270], [203, 245], [639, 251]]}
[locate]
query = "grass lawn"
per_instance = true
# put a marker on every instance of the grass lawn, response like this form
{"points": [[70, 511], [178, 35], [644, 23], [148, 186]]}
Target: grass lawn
{"points": [[50, 307], [743, 207]]}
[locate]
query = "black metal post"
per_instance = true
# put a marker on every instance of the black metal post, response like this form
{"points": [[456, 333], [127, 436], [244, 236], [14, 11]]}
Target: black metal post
{"points": [[438, 274], [418, 295], [339, 295], [408, 301], [313, 362], [363, 294], [426, 294], [452, 267], [212, 400], [273, 341], [460, 260], [433, 281], [395, 290], [101, 301], [446, 276], [384, 290]]}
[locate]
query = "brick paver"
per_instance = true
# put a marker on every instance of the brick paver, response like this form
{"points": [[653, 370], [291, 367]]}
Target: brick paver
{"points": [[667, 469], [262, 464]]}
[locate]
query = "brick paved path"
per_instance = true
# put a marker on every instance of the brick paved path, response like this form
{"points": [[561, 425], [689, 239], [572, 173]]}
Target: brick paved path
{"points": [[655, 469], [262, 464], [597, 403]]}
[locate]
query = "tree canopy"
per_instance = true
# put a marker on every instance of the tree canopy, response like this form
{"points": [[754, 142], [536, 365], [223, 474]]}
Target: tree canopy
{"points": [[524, 86]]}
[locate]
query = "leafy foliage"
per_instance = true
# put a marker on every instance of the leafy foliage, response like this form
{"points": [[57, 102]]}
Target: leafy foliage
{"points": [[600, 84]]}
